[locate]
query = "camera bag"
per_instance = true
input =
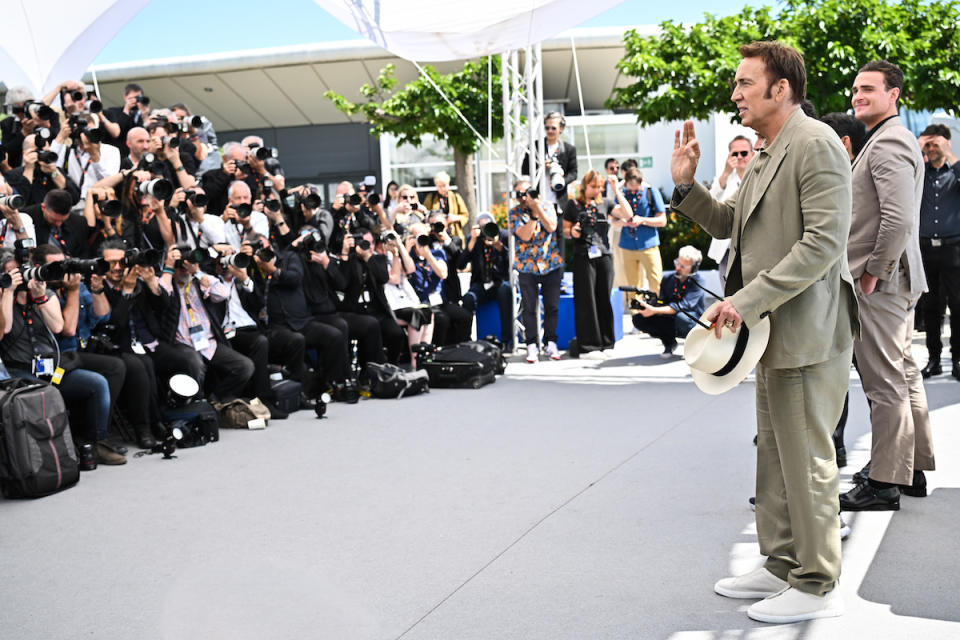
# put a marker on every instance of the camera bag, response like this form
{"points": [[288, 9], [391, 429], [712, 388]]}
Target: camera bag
{"points": [[240, 414], [200, 418], [37, 453], [390, 381], [467, 365], [287, 394]]}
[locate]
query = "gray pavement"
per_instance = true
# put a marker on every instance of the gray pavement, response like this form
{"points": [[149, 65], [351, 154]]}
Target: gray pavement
{"points": [[571, 499]]}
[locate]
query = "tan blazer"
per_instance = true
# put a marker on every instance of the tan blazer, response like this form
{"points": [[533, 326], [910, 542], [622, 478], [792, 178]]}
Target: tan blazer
{"points": [[458, 211], [789, 225], [885, 229]]}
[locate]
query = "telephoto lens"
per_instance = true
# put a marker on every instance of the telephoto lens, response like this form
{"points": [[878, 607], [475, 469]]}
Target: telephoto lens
{"points": [[198, 199], [438, 227], [50, 157], [44, 272], [158, 188], [136, 257], [5, 280], [490, 230], [171, 141], [96, 106], [311, 201], [424, 240], [243, 209], [238, 260], [271, 205], [97, 266], [262, 153], [196, 122], [356, 199], [14, 202], [266, 254], [76, 95]]}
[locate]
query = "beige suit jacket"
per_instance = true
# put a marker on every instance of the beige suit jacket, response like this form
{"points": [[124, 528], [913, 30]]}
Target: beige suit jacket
{"points": [[885, 229], [789, 226]]}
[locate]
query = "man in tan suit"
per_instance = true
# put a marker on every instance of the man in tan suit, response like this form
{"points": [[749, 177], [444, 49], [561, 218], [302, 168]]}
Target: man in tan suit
{"points": [[788, 228], [884, 254]]}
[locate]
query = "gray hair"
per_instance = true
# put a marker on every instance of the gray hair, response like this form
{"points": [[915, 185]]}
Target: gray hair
{"points": [[16, 95], [442, 176], [228, 148], [690, 253], [236, 184]]}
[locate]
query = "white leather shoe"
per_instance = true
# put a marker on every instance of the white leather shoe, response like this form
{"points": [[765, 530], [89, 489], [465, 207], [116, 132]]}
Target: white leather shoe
{"points": [[759, 583], [792, 605]]}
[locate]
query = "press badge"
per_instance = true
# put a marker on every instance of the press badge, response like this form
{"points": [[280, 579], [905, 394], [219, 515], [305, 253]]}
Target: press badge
{"points": [[487, 286], [593, 252], [435, 299], [198, 338], [58, 374], [229, 331], [42, 366], [137, 348]]}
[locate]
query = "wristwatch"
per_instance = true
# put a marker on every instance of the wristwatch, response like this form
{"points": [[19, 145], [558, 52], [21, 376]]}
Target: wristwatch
{"points": [[20, 229]]}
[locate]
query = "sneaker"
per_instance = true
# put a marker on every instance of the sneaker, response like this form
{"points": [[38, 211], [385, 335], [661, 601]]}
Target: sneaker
{"points": [[533, 353], [668, 349], [551, 351], [844, 529], [759, 583], [792, 605], [592, 355], [106, 455]]}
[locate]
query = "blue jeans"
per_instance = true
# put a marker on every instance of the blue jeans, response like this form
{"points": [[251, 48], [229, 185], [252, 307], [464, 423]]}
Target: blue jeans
{"points": [[86, 389], [503, 294]]}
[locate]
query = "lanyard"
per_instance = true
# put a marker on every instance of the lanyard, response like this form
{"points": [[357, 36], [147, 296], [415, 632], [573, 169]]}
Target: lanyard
{"points": [[83, 168], [56, 236], [185, 289], [27, 312]]}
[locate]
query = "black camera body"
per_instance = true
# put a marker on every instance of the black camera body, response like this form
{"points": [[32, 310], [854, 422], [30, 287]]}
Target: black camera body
{"points": [[141, 258], [314, 241], [93, 266], [588, 225]]}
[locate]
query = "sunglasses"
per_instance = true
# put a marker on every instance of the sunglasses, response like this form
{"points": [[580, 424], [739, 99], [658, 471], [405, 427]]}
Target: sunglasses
{"points": [[742, 154], [406, 197], [550, 128]]}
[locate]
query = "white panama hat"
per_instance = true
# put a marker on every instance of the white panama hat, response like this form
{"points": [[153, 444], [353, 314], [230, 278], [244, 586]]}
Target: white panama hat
{"points": [[719, 364]]}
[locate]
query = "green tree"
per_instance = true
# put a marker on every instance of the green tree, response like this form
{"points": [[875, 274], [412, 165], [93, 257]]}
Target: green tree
{"points": [[685, 71], [418, 109]]}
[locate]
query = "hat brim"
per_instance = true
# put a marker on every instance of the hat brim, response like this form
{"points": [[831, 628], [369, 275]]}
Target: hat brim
{"points": [[756, 346]]}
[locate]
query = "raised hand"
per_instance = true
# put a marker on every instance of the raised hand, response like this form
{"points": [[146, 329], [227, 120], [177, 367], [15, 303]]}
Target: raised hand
{"points": [[686, 155]]}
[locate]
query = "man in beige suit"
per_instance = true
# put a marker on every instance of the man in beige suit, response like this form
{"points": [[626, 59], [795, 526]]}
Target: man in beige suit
{"points": [[788, 228], [884, 254]]}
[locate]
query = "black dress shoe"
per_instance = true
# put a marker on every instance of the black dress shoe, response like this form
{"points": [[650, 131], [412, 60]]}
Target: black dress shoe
{"points": [[866, 497], [956, 370], [933, 368], [145, 439], [919, 487], [863, 475]]}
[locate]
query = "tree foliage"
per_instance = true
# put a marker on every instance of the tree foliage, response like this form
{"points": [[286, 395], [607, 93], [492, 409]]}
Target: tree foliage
{"points": [[685, 71], [417, 109]]}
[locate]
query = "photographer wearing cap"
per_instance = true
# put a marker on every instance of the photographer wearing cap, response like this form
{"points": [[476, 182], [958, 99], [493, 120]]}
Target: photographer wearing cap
{"points": [[489, 260], [40, 174], [31, 315], [539, 266], [192, 333], [586, 220], [665, 321]]}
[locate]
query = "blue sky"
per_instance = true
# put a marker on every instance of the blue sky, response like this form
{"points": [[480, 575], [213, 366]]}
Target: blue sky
{"points": [[168, 28]]}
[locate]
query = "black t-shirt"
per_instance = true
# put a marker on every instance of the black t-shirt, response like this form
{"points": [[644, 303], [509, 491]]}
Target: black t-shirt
{"points": [[599, 214], [17, 348]]}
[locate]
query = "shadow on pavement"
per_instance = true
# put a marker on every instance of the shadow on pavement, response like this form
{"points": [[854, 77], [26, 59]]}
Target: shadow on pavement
{"points": [[916, 567], [943, 392]]}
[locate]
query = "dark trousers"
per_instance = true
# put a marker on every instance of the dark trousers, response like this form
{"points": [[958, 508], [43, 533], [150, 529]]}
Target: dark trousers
{"points": [[394, 338], [451, 324], [140, 398], [592, 311], [942, 266], [225, 375], [277, 346], [662, 327], [501, 292], [533, 285], [360, 327], [331, 347]]}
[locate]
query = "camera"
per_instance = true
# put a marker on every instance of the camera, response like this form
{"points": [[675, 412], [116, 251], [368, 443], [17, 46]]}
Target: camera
{"points": [[263, 252], [14, 202], [262, 153], [89, 267], [47, 156], [171, 141], [373, 199], [438, 227], [387, 236], [158, 188], [311, 201], [189, 254], [272, 205], [244, 209], [109, 208], [267, 185], [313, 241], [424, 240], [588, 224], [95, 106], [244, 167], [238, 260], [557, 182], [5, 280], [43, 137], [490, 230], [141, 258], [355, 199], [197, 198], [101, 340], [148, 162], [40, 111], [529, 193], [78, 124], [361, 242], [44, 272]]}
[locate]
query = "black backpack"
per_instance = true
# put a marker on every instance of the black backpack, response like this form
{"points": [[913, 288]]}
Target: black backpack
{"points": [[390, 381], [198, 423], [469, 365], [37, 454]]}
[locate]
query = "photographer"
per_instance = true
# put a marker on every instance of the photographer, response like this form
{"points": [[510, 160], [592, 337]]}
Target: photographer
{"points": [[240, 221], [13, 225], [408, 210], [586, 220], [323, 276], [404, 303], [642, 214], [216, 183], [144, 220], [199, 131], [173, 156], [40, 174], [129, 116], [540, 269], [489, 261], [138, 146], [54, 224], [192, 225], [350, 212], [80, 152], [191, 331], [31, 314], [452, 323], [679, 294], [280, 276], [281, 235], [450, 203], [137, 303], [560, 161], [307, 209], [27, 116], [452, 250]]}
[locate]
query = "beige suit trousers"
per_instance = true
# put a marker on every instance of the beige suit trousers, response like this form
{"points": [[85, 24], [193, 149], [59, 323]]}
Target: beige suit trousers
{"points": [[797, 478], [902, 438]]}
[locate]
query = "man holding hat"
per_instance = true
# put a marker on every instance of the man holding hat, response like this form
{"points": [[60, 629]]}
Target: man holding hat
{"points": [[788, 281]]}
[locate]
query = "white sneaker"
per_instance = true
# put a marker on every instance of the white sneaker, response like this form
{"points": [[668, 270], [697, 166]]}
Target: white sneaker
{"points": [[592, 355], [533, 353], [792, 605], [551, 351], [844, 529], [759, 583]]}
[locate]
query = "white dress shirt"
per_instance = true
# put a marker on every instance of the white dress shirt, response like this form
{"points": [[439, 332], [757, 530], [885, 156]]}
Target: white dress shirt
{"points": [[81, 170]]}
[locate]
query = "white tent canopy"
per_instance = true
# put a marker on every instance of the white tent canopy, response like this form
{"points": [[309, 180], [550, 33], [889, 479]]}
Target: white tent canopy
{"points": [[428, 30], [46, 42]]}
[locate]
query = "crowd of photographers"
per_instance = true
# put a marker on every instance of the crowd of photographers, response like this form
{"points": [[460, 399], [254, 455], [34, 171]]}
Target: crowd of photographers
{"points": [[135, 249]]}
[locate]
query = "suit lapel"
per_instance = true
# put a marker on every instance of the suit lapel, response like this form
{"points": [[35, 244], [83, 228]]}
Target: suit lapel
{"points": [[873, 138], [763, 180]]}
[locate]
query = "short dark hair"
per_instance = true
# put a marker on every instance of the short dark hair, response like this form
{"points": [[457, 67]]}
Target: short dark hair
{"points": [[40, 253], [937, 130], [782, 61], [892, 74], [809, 109], [845, 124], [606, 163], [130, 88], [180, 105], [627, 164], [112, 243], [633, 174], [58, 201], [739, 137]]}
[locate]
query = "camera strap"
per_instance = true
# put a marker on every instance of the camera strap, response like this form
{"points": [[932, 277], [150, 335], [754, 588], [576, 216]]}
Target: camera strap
{"points": [[83, 167]]}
